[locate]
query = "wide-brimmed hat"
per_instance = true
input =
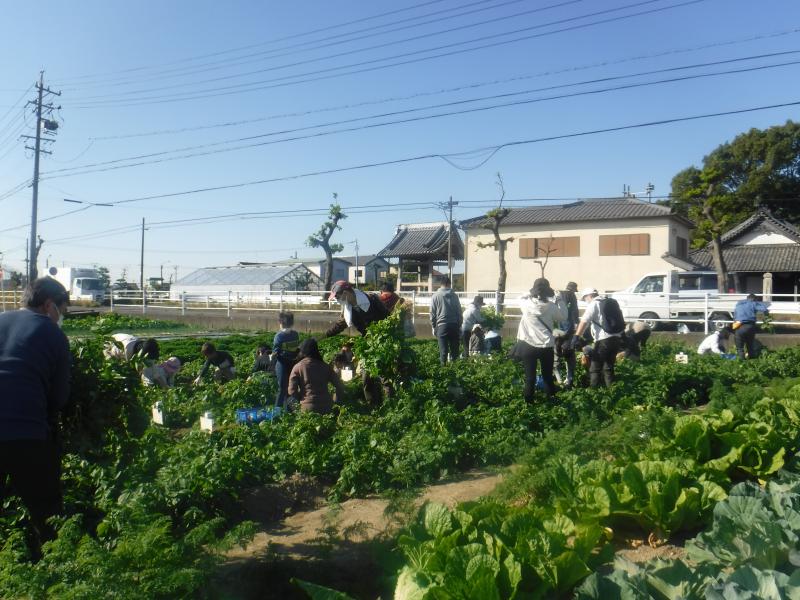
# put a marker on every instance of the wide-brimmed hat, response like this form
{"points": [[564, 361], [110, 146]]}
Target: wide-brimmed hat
{"points": [[541, 287], [339, 287], [478, 300], [589, 291], [477, 327], [572, 287]]}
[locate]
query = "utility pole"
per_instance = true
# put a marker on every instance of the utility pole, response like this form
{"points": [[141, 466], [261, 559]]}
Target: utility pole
{"points": [[141, 272], [449, 206], [49, 126]]}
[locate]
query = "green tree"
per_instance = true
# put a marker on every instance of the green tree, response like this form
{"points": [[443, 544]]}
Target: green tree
{"points": [[322, 239], [104, 276], [122, 282], [758, 169]]}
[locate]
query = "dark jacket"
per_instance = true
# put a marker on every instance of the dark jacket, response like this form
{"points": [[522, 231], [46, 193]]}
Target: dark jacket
{"points": [[220, 359], [308, 382], [361, 319], [34, 375]]}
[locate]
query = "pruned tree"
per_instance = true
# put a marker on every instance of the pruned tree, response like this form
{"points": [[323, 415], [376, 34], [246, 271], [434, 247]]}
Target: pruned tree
{"points": [[544, 251], [496, 217], [322, 239]]}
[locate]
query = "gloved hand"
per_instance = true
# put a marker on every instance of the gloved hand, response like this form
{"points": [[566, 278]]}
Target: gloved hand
{"points": [[577, 342]]}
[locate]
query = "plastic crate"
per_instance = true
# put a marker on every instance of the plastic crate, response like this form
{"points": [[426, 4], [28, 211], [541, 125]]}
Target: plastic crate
{"points": [[256, 415]]}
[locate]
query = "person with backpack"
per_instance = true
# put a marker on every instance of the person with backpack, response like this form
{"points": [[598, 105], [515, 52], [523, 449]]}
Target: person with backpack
{"points": [[564, 350], [446, 321], [536, 335], [607, 324]]}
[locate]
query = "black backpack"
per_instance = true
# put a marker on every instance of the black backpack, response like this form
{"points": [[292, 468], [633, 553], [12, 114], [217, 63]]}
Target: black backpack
{"points": [[612, 315]]}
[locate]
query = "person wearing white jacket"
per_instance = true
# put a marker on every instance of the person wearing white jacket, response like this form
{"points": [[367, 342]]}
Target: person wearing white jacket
{"points": [[535, 338]]}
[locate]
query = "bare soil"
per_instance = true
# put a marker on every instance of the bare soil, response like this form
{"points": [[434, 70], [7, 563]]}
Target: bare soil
{"points": [[342, 546]]}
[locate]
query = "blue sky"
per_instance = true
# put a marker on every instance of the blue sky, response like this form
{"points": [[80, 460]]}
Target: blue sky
{"points": [[106, 55]]}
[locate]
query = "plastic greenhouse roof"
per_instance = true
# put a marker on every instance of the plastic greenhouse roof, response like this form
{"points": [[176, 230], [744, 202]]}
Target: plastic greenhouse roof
{"points": [[238, 275]]}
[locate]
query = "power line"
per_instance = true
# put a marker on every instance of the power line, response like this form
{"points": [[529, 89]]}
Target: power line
{"points": [[449, 90], [306, 46], [260, 44], [422, 157], [201, 149], [373, 47], [228, 90]]}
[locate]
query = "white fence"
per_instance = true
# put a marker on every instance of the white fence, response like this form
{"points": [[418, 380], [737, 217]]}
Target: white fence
{"points": [[704, 308]]}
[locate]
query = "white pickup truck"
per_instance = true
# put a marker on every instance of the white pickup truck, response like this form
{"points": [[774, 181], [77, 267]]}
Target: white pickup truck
{"points": [[685, 296]]}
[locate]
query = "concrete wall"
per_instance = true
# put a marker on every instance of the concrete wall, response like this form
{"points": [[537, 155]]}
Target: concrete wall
{"points": [[606, 273]]}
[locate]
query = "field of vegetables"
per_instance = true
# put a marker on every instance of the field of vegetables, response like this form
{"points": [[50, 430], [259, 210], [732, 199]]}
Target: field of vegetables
{"points": [[703, 452]]}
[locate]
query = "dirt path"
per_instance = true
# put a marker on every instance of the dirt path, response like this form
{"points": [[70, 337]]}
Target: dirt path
{"points": [[336, 545]]}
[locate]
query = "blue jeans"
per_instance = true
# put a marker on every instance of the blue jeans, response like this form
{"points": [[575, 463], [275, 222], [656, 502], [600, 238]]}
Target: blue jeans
{"points": [[282, 376]]}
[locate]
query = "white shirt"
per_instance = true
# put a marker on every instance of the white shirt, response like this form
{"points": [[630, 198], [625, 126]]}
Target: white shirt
{"points": [[538, 321], [710, 345], [594, 316], [362, 300]]}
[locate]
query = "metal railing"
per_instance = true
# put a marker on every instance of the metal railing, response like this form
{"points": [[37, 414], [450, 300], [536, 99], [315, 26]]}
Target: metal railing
{"points": [[10, 299], [681, 307]]}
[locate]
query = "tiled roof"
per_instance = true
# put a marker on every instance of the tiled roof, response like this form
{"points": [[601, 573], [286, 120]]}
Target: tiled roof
{"points": [[764, 220], [239, 275], [423, 240], [760, 258], [582, 210], [363, 259]]}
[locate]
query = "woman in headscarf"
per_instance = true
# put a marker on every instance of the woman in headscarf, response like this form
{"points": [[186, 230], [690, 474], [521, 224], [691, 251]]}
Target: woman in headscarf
{"points": [[310, 378], [535, 335]]}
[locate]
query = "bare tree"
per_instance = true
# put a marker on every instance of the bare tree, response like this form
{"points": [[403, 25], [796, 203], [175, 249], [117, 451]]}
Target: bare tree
{"points": [[711, 205], [545, 251], [497, 215], [322, 239]]}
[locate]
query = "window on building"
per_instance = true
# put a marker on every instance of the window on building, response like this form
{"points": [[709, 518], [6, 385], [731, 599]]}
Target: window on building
{"points": [[628, 244], [681, 247], [359, 273], [549, 246]]}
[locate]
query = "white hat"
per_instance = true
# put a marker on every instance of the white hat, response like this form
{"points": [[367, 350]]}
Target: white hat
{"points": [[476, 326], [588, 292]]}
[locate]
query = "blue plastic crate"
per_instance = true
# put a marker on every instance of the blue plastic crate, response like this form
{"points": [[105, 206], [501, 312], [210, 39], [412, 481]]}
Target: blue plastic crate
{"points": [[256, 415]]}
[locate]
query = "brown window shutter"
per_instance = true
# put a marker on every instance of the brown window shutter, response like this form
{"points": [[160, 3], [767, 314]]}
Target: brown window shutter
{"points": [[607, 245], [635, 243], [572, 246], [623, 244], [526, 247], [644, 244]]}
